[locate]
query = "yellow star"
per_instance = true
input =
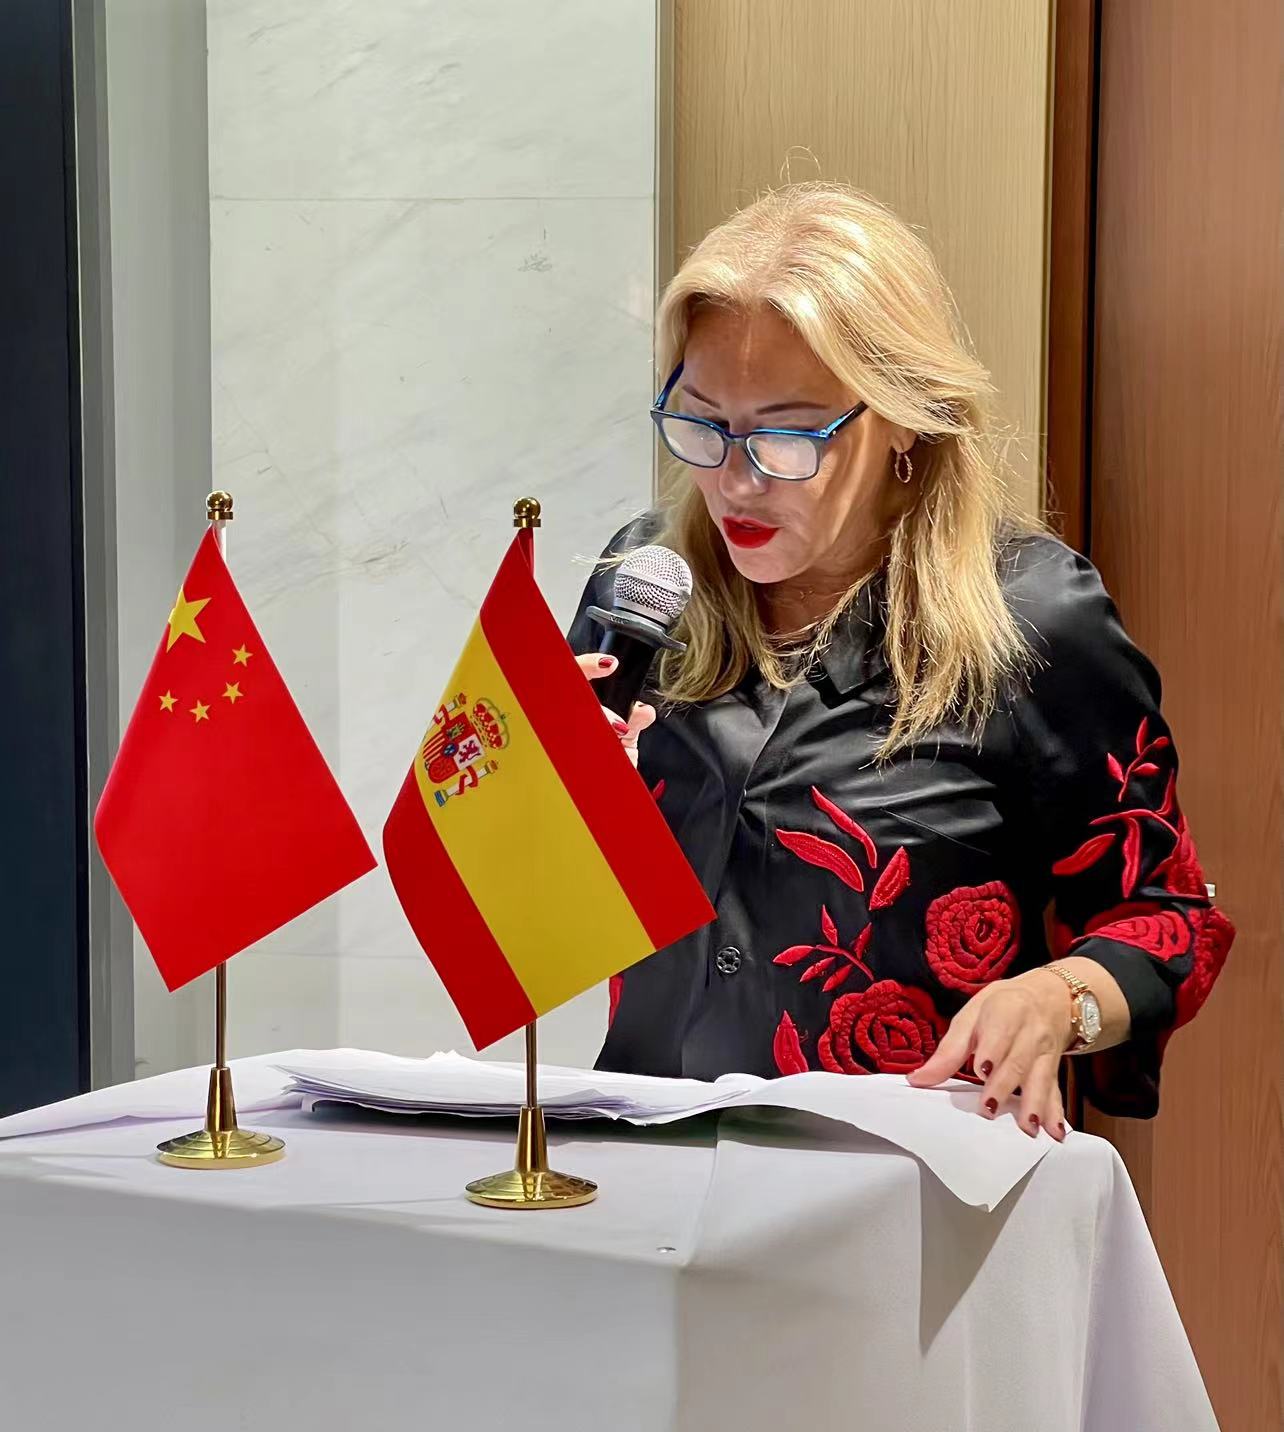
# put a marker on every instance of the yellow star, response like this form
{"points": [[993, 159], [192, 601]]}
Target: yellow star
{"points": [[182, 620], [201, 712], [233, 692], [241, 657], [167, 701]]}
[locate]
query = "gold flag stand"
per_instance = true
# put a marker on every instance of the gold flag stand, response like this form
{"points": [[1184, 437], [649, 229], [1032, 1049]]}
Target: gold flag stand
{"points": [[221, 1143], [530, 1183]]}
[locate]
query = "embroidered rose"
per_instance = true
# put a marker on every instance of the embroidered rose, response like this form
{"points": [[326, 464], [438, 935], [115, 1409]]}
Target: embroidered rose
{"points": [[972, 935], [894, 1027], [1163, 933]]}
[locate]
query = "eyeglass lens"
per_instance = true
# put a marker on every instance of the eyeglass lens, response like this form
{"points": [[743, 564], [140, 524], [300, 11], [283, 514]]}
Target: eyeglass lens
{"points": [[776, 454]]}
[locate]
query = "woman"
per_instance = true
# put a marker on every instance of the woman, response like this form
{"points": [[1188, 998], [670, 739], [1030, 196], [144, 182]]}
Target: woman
{"points": [[906, 720]]}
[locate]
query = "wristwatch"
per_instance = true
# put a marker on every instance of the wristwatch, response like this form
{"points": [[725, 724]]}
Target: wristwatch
{"points": [[1085, 1012]]}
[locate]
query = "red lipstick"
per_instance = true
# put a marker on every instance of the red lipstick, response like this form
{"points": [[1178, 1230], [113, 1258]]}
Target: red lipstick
{"points": [[744, 532]]}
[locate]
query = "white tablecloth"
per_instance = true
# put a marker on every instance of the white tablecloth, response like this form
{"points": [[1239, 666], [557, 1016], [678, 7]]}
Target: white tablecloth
{"points": [[766, 1271]]}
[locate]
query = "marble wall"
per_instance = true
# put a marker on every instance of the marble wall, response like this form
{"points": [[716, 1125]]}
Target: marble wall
{"points": [[431, 229]]}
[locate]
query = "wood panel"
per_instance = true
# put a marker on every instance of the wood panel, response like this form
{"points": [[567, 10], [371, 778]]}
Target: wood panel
{"points": [[1186, 530], [938, 107], [1071, 238]]}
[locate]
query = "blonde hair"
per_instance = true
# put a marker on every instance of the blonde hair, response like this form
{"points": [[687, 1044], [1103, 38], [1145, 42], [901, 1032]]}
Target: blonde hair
{"points": [[865, 294]]}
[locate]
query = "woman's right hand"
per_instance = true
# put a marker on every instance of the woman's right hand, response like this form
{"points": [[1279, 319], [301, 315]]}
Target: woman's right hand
{"points": [[595, 666]]}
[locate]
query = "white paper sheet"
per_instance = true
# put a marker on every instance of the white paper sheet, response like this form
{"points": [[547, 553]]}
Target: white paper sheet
{"points": [[979, 1160], [259, 1083]]}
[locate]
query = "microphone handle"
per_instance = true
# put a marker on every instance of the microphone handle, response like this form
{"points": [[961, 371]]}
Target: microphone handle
{"points": [[618, 691]]}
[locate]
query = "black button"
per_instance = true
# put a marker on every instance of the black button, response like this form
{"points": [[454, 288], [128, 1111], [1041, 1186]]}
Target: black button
{"points": [[728, 960]]}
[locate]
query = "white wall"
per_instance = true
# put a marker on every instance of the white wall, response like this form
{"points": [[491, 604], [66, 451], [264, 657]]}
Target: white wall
{"points": [[160, 358], [431, 275]]}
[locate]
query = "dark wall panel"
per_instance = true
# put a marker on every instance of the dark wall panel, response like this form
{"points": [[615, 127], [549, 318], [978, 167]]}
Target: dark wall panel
{"points": [[43, 1039]]}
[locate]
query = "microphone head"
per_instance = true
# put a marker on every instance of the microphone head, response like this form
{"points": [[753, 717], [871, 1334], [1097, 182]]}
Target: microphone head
{"points": [[654, 583]]}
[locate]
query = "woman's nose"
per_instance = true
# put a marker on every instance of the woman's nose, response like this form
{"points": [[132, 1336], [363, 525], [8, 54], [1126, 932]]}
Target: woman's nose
{"points": [[738, 478]]}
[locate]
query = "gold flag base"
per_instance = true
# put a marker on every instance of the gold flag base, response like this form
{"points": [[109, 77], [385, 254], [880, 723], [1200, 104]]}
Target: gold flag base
{"points": [[221, 1144], [242, 1148], [531, 1183]]}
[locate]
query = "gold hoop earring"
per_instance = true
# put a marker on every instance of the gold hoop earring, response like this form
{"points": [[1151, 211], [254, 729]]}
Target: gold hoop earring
{"points": [[903, 474]]}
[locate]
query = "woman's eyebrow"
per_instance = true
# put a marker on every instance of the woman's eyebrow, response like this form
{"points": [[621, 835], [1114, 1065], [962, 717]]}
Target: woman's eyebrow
{"points": [[793, 406], [797, 405]]}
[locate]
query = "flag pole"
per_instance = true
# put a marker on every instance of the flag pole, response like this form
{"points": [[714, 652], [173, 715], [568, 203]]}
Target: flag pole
{"points": [[221, 1143], [530, 1183]]}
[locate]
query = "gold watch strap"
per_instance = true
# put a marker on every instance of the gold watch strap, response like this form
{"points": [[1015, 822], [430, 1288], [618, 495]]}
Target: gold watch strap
{"points": [[1077, 989], [1077, 986]]}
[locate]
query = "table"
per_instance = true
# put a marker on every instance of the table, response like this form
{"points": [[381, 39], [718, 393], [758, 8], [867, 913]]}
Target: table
{"points": [[763, 1272]]}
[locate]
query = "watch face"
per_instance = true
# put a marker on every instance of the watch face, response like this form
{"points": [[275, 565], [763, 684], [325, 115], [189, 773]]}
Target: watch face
{"points": [[1090, 1015]]}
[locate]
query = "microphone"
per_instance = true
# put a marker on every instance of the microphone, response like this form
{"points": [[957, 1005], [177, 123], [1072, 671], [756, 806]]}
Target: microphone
{"points": [[652, 589]]}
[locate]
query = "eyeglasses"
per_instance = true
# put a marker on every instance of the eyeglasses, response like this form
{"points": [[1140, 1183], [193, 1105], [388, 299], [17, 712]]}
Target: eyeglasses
{"points": [[787, 454]]}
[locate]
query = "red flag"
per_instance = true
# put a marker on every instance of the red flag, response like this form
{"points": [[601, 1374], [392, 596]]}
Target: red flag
{"points": [[220, 820]]}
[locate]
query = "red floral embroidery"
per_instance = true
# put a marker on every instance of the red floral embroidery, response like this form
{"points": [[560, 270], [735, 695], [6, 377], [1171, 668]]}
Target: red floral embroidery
{"points": [[1164, 934], [786, 1047], [1130, 820], [893, 882], [830, 952], [828, 856], [972, 935], [895, 1027], [847, 825], [1213, 938], [1180, 873], [1140, 765], [614, 987], [1086, 856]]}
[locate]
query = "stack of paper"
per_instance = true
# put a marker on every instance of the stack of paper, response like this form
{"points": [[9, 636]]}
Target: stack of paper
{"points": [[453, 1084], [979, 1160]]}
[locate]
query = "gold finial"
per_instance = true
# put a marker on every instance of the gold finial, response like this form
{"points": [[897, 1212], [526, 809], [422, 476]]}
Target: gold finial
{"points": [[526, 512], [218, 507]]}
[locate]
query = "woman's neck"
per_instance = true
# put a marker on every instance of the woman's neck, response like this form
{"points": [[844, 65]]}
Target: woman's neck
{"points": [[793, 607]]}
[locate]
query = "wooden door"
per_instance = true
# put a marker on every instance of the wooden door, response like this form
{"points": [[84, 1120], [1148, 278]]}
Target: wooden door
{"points": [[1185, 527]]}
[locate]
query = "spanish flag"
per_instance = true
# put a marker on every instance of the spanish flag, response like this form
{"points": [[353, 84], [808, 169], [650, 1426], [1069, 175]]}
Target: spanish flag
{"points": [[527, 853]]}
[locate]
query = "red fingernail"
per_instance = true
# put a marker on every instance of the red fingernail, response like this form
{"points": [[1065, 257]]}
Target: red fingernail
{"points": [[1034, 1121], [621, 727], [605, 661], [991, 1107], [987, 1069]]}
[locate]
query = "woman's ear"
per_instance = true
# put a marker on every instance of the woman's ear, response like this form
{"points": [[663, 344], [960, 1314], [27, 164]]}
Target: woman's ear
{"points": [[903, 439]]}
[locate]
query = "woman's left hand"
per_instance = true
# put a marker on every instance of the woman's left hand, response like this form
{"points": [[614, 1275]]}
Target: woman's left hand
{"points": [[1015, 1032]]}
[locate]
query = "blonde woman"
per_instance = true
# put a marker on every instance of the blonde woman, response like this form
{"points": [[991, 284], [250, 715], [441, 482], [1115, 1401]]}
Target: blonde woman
{"points": [[907, 721]]}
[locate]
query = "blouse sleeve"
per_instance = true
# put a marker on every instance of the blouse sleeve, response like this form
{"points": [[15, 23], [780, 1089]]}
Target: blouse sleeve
{"points": [[1101, 773]]}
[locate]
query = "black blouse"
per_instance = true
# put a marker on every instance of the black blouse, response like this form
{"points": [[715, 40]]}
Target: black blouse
{"points": [[860, 905]]}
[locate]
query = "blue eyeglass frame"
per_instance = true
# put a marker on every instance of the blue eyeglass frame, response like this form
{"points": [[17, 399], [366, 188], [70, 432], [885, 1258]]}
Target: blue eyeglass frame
{"points": [[818, 437]]}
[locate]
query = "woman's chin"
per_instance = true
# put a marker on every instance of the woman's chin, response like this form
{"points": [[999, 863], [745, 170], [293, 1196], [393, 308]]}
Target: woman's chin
{"points": [[763, 566]]}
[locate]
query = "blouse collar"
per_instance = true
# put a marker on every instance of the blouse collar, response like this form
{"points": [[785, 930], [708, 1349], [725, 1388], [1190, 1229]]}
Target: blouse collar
{"points": [[854, 658]]}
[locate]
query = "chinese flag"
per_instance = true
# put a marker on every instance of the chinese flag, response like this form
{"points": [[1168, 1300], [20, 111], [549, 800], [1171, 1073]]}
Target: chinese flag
{"points": [[528, 855], [220, 820]]}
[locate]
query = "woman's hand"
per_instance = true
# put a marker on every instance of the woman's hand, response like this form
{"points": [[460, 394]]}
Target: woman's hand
{"points": [[1015, 1032], [596, 666]]}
